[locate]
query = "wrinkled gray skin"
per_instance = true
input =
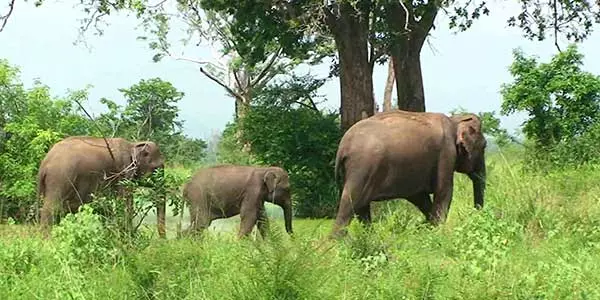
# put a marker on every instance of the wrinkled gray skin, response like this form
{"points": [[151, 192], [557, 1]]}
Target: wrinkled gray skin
{"points": [[227, 190], [400, 154], [76, 166]]}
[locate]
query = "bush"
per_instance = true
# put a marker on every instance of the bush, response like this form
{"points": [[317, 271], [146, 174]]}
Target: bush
{"points": [[285, 129], [563, 103]]}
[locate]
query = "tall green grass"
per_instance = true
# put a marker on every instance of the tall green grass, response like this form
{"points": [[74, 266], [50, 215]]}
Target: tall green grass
{"points": [[537, 238]]}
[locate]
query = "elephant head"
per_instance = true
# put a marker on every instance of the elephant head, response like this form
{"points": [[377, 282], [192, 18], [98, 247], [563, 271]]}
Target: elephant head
{"points": [[470, 148], [277, 184], [147, 157]]}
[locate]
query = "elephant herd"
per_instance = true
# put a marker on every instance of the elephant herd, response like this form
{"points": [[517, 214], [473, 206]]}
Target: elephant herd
{"points": [[394, 154]]}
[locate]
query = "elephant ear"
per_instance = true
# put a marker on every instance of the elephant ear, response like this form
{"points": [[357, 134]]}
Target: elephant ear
{"points": [[140, 150], [270, 180], [467, 133]]}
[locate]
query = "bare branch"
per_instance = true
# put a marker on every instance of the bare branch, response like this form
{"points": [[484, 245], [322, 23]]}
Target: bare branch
{"points": [[555, 23], [4, 18], [312, 102], [143, 217], [306, 105], [97, 127], [219, 82], [237, 79], [197, 61], [406, 15], [265, 70], [157, 4]]}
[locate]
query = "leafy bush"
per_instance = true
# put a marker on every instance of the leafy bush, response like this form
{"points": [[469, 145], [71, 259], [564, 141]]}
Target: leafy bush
{"points": [[83, 240], [563, 103], [32, 121], [285, 128]]}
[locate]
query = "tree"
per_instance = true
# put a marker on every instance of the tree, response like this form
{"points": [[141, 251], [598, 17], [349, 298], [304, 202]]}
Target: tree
{"points": [[287, 129], [151, 111], [363, 31], [562, 101], [389, 87], [31, 122], [366, 32]]}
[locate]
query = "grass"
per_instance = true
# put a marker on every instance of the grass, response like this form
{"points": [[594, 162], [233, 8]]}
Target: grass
{"points": [[537, 238]]}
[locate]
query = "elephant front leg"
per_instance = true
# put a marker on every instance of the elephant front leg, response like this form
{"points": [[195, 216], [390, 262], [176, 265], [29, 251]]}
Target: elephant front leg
{"points": [[364, 214], [263, 222], [249, 216], [442, 197]]}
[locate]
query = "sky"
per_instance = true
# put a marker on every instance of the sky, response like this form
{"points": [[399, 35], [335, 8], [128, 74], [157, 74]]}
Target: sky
{"points": [[464, 69]]}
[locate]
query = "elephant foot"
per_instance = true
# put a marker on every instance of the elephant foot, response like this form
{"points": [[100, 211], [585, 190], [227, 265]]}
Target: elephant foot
{"points": [[338, 234]]}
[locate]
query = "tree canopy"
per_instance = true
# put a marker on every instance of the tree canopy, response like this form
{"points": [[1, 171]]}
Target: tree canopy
{"points": [[562, 102]]}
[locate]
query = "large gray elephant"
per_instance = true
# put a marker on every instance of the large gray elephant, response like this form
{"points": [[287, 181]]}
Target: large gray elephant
{"points": [[77, 166], [401, 154], [224, 191]]}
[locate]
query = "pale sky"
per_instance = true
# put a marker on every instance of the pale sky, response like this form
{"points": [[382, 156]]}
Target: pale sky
{"points": [[466, 69]]}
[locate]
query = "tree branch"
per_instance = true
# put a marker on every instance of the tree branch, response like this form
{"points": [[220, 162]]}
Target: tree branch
{"points": [[265, 70], [555, 24], [197, 61], [237, 79], [97, 127], [219, 82], [4, 18], [406, 15], [306, 105], [312, 102], [426, 22]]}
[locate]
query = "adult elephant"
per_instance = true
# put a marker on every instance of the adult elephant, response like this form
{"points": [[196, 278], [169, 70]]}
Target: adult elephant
{"points": [[401, 154], [224, 191], [77, 166]]}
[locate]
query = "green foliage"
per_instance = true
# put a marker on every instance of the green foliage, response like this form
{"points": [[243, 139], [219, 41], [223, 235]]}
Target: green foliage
{"points": [[542, 227], [151, 113], [32, 122], [230, 150], [563, 104], [286, 129], [83, 240]]}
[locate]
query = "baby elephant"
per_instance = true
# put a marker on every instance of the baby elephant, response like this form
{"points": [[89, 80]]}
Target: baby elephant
{"points": [[224, 191]]}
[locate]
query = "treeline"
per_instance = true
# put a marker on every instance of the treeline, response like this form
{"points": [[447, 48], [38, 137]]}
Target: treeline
{"points": [[284, 126]]}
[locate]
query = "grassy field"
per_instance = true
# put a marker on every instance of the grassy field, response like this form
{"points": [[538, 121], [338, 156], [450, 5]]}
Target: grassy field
{"points": [[537, 238]]}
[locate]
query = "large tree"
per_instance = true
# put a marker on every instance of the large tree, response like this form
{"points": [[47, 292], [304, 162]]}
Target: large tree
{"points": [[366, 32], [363, 32]]}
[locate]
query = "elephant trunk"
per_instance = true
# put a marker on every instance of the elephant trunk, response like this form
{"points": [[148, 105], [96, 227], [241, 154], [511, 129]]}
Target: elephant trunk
{"points": [[478, 178], [287, 215]]}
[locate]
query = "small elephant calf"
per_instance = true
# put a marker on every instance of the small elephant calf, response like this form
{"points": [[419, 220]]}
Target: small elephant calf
{"points": [[224, 191]]}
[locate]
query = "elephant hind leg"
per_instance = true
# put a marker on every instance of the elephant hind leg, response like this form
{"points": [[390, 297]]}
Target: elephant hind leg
{"points": [[199, 220], [345, 213]]}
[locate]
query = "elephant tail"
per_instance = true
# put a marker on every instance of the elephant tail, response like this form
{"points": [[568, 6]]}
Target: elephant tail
{"points": [[41, 184], [339, 170]]}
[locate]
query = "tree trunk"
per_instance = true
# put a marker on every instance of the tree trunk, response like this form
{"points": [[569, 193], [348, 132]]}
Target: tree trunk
{"points": [[389, 87], [409, 79], [406, 52], [356, 72], [241, 108]]}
